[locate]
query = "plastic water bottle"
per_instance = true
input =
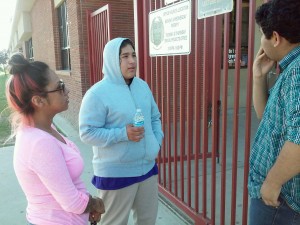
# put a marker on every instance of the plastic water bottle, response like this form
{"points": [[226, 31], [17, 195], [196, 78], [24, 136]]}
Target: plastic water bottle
{"points": [[138, 120]]}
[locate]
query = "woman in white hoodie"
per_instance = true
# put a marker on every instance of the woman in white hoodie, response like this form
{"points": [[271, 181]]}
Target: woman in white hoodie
{"points": [[125, 172]]}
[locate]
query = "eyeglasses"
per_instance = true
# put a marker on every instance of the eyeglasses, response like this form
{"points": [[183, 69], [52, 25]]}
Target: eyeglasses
{"points": [[60, 88]]}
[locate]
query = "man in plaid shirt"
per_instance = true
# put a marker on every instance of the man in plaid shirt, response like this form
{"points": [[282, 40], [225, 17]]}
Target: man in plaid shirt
{"points": [[274, 179]]}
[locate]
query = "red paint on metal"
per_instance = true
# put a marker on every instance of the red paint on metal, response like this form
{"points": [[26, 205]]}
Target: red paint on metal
{"points": [[99, 28]]}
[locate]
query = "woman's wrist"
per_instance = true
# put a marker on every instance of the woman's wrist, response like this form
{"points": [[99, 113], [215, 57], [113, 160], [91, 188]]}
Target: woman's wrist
{"points": [[95, 204], [91, 205]]}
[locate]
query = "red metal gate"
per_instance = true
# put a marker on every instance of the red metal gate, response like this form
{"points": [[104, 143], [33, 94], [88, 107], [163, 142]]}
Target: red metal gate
{"points": [[99, 33], [189, 90]]}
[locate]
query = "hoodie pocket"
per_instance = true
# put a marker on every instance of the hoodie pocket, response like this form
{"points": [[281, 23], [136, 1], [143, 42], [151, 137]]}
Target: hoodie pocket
{"points": [[133, 151], [152, 147]]}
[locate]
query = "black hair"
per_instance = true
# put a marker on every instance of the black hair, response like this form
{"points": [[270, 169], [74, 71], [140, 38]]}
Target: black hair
{"points": [[282, 16], [125, 43], [29, 79]]}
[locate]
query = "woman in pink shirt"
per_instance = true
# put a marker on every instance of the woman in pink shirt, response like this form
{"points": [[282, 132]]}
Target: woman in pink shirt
{"points": [[48, 166]]}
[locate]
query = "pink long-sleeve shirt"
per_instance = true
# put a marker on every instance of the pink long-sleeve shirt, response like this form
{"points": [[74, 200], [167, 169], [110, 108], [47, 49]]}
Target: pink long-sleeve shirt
{"points": [[49, 174]]}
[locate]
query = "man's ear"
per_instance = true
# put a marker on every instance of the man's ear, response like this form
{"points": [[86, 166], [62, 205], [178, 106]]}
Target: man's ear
{"points": [[37, 101], [276, 39]]}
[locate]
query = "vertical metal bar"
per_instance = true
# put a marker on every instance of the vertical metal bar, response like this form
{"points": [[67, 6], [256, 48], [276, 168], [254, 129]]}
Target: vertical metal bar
{"points": [[106, 23], [104, 37], [215, 119], [197, 102], [236, 108], [169, 124], [139, 40], [164, 117], [175, 105], [252, 8], [224, 117], [93, 21], [101, 32], [90, 44], [98, 43], [96, 34], [190, 106], [109, 23], [189, 114], [205, 118], [156, 67], [182, 128], [96, 48], [100, 26], [146, 42]]}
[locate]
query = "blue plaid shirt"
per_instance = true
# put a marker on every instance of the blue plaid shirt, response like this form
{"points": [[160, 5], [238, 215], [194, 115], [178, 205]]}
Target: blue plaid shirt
{"points": [[280, 123]]}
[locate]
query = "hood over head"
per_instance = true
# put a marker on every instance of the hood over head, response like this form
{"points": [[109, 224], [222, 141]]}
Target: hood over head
{"points": [[111, 61]]}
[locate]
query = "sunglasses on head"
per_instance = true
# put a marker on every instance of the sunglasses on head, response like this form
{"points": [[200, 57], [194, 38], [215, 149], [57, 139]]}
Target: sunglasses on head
{"points": [[61, 87]]}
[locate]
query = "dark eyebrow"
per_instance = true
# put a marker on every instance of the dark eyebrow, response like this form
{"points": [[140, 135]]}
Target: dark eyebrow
{"points": [[125, 53], [128, 53]]}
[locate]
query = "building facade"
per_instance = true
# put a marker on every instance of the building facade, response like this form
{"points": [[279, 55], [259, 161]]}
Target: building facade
{"points": [[56, 32]]}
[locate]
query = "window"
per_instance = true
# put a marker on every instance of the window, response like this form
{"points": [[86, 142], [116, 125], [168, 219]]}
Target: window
{"points": [[64, 36], [29, 50]]}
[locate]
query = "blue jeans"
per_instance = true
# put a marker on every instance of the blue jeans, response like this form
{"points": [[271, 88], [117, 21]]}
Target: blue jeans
{"points": [[261, 214]]}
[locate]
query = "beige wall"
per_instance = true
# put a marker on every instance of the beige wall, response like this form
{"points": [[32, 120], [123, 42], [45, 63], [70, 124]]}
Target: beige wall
{"points": [[242, 90]]}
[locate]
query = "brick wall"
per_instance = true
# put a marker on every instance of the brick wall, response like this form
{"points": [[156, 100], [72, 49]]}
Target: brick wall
{"points": [[46, 42], [42, 32]]}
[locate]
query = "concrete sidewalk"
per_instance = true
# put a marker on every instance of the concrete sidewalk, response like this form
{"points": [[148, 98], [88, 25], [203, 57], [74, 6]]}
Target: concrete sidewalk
{"points": [[13, 201]]}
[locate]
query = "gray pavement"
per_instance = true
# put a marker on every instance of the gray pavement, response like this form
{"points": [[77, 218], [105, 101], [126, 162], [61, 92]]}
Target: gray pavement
{"points": [[13, 201]]}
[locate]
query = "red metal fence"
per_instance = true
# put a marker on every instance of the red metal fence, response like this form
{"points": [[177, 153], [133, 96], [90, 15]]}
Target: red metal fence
{"points": [[192, 94], [99, 28], [204, 158]]}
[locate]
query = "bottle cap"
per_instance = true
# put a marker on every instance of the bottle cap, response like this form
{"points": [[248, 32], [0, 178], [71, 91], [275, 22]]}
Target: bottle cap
{"points": [[138, 110]]}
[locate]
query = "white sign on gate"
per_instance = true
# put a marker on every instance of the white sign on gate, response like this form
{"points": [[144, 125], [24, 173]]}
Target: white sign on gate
{"points": [[170, 30], [207, 8]]}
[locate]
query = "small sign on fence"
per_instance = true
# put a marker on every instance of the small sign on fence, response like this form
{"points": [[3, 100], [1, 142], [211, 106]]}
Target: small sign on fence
{"points": [[207, 8]]}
